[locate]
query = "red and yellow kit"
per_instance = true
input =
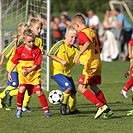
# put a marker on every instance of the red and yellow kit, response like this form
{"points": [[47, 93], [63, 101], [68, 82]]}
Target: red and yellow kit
{"points": [[25, 59], [91, 57]]}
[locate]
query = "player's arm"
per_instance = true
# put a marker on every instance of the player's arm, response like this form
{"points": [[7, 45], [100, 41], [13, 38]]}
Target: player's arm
{"points": [[63, 62], [2, 60], [84, 48], [128, 72], [10, 71], [29, 70]]}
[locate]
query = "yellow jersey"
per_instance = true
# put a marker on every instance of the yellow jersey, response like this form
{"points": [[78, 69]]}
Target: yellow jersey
{"points": [[62, 51]]}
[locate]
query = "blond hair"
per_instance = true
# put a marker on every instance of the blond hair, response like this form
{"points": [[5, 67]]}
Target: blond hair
{"points": [[70, 29], [30, 33], [22, 26], [78, 18], [33, 21]]}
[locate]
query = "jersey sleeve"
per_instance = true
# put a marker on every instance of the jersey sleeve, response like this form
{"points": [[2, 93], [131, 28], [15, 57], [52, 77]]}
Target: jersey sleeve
{"points": [[8, 50], [16, 57], [82, 38], [131, 42], [55, 48]]}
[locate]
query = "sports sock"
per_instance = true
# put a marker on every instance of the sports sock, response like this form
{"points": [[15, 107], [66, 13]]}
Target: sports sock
{"points": [[20, 98], [43, 102], [101, 97], [72, 102], [3, 94], [26, 99], [91, 97], [65, 99], [128, 84], [13, 92]]}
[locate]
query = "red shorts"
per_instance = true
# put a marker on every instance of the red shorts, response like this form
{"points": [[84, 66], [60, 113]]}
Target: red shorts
{"points": [[32, 88], [88, 80]]}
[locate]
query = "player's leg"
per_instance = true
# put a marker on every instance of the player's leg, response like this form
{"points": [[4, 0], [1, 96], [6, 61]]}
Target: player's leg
{"points": [[42, 98], [3, 93], [20, 97], [66, 86], [82, 88], [72, 101], [100, 96], [26, 101], [127, 87], [3, 104], [12, 85]]}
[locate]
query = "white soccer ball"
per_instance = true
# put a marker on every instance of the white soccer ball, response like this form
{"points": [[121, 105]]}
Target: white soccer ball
{"points": [[55, 97]]}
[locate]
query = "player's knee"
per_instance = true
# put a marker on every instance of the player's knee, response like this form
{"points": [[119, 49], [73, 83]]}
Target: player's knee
{"points": [[39, 93], [81, 89]]}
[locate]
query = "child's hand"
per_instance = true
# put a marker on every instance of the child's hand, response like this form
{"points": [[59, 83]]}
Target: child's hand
{"points": [[77, 60], [15, 38], [127, 74], [130, 56], [10, 77], [25, 73]]}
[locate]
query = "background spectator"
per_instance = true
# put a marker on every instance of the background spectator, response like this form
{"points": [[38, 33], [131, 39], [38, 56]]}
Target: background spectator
{"points": [[94, 21], [124, 31]]}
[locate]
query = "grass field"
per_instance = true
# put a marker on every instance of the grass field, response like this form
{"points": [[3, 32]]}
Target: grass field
{"points": [[36, 122]]}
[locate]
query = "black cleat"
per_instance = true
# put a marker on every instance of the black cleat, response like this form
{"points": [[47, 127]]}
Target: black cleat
{"points": [[9, 98], [63, 109], [76, 111]]}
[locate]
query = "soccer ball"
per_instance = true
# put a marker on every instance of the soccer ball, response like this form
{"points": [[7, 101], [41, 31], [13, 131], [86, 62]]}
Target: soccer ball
{"points": [[55, 97]]}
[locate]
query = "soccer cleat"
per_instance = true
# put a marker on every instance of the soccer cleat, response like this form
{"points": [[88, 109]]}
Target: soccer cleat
{"points": [[26, 109], [124, 93], [19, 113], [130, 113], [47, 113], [76, 111], [9, 98], [63, 109], [100, 111], [108, 114]]}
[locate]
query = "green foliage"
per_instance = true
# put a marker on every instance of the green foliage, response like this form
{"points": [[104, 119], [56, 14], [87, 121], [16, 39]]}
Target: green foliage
{"points": [[36, 122], [57, 6]]}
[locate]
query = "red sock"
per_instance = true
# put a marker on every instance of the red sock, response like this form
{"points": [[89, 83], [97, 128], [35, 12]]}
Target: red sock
{"points": [[90, 96], [20, 98], [43, 102], [101, 97], [128, 84]]}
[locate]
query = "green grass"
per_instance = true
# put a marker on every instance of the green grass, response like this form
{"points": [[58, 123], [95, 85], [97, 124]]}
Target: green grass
{"points": [[36, 122]]}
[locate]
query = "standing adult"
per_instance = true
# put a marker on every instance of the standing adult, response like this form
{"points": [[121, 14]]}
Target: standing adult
{"points": [[94, 21], [125, 30]]}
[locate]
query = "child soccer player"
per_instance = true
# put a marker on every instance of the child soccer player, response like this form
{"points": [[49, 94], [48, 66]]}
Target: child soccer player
{"points": [[35, 26], [129, 71], [63, 54], [28, 59], [89, 55], [12, 90]]}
